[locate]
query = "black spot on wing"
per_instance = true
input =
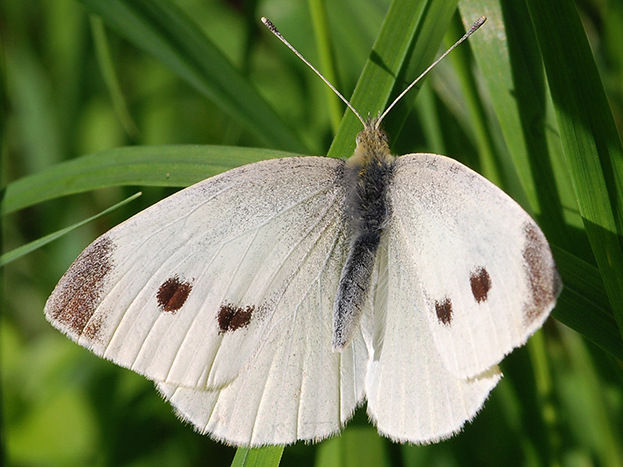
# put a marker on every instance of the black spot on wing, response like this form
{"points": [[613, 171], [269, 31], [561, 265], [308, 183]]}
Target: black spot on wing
{"points": [[443, 309], [78, 294], [480, 282], [540, 272], [231, 318], [172, 294]]}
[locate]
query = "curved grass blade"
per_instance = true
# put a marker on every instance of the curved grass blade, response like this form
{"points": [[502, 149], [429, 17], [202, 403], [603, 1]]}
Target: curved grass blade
{"points": [[107, 68], [175, 166], [589, 137], [25, 249], [584, 294], [167, 33], [326, 56]]}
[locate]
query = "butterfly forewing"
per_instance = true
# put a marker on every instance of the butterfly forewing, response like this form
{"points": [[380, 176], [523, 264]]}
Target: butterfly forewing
{"points": [[483, 272], [186, 291]]}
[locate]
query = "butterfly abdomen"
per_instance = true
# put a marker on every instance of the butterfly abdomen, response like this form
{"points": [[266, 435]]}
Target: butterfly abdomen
{"points": [[367, 212]]}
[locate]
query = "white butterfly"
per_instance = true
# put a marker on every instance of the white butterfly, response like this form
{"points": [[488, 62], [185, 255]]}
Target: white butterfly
{"points": [[269, 302]]}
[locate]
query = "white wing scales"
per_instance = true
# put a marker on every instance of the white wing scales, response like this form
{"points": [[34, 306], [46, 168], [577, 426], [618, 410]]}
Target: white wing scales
{"points": [[412, 396], [295, 387], [228, 305], [483, 270], [214, 251]]}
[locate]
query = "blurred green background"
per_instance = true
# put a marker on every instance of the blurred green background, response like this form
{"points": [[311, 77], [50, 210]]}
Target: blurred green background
{"points": [[76, 85]]}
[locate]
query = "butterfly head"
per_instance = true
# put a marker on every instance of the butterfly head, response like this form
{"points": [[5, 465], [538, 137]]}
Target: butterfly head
{"points": [[372, 145]]}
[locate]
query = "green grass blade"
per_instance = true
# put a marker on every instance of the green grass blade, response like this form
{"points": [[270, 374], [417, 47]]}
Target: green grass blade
{"points": [[267, 456], [589, 137], [357, 446], [180, 165], [106, 65], [462, 63], [586, 384], [584, 295], [32, 246], [328, 65], [405, 46], [164, 31], [507, 55]]}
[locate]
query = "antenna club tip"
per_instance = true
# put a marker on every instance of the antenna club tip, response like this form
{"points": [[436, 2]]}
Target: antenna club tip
{"points": [[268, 23], [479, 22]]}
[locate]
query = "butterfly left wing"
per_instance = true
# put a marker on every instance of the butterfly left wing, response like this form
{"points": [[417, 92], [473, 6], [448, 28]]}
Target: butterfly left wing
{"points": [[227, 286], [485, 272], [412, 396], [294, 386]]}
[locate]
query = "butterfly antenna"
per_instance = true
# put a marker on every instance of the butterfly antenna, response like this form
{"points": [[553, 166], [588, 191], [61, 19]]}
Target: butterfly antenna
{"points": [[471, 31], [276, 32]]}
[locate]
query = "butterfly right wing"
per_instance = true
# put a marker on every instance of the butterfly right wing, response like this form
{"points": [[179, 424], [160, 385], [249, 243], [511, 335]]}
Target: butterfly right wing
{"points": [[483, 270], [189, 290]]}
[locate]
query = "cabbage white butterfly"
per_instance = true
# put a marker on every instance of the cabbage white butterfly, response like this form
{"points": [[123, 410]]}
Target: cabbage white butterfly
{"points": [[268, 302]]}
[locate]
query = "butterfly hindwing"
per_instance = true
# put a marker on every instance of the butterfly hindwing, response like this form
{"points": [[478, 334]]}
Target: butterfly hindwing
{"points": [[484, 273], [412, 396], [294, 387]]}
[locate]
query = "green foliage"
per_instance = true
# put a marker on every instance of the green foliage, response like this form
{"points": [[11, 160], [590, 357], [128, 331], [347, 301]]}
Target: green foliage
{"points": [[166, 93]]}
